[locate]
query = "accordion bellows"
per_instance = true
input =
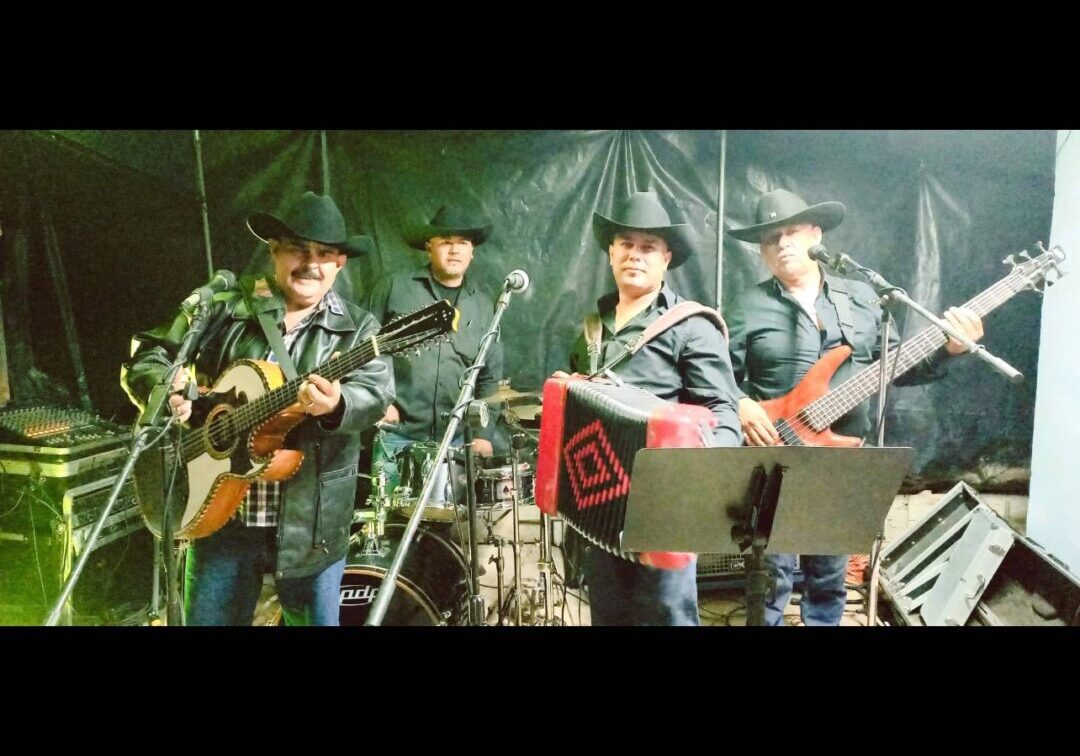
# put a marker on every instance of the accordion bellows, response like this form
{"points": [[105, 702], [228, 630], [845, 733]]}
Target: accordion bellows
{"points": [[589, 435]]}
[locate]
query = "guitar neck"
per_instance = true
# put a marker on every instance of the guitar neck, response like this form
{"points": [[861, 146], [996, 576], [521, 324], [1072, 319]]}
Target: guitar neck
{"points": [[855, 390]]}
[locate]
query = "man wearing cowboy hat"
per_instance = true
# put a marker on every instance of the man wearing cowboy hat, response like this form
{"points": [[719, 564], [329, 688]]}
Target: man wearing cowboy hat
{"points": [[428, 385], [298, 529], [779, 330], [688, 362]]}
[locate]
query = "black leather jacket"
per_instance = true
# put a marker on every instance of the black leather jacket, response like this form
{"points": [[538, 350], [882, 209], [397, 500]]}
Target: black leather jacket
{"points": [[317, 502]]}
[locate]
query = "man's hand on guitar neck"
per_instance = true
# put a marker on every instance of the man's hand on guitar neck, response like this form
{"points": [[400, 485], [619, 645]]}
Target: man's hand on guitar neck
{"points": [[319, 396], [967, 323], [757, 428]]}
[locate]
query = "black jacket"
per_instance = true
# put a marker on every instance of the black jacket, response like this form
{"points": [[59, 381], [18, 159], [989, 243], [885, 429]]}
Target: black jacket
{"points": [[428, 384]]}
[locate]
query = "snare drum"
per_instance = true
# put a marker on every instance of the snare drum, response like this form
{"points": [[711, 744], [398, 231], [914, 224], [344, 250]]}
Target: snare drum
{"points": [[495, 484]]}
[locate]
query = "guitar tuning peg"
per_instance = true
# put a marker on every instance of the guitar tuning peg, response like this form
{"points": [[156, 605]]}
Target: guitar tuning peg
{"points": [[1024, 255], [1042, 249], [1010, 260]]}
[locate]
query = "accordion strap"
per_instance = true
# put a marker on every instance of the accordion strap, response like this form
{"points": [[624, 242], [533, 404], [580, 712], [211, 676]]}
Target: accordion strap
{"points": [[594, 334], [677, 314]]}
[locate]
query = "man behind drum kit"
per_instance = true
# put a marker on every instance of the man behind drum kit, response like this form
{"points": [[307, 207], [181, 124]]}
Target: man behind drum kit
{"points": [[429, 385]]}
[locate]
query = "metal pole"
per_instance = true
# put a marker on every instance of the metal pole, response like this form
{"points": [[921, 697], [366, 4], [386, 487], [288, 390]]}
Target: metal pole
{"points": [[325, 164], [720, 221], [201, 184], [52, 252]]}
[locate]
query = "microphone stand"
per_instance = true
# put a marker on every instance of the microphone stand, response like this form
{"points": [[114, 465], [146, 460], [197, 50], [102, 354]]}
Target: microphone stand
{"points": [[465, 399], [478, 417], [890, 295], [153, 420]]}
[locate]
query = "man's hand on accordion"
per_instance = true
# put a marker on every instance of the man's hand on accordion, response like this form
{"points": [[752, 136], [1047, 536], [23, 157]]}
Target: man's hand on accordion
{"points": [[568, 376]]}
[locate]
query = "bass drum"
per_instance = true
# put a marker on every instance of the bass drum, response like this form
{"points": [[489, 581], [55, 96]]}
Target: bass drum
{"points": [[432, 588]]}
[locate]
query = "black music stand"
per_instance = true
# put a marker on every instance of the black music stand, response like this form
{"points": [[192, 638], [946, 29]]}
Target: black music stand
{"points": [[776, 499]]}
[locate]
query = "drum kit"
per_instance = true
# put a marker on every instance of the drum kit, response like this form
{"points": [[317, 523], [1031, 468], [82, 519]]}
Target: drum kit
{"points": [[433, 586]]}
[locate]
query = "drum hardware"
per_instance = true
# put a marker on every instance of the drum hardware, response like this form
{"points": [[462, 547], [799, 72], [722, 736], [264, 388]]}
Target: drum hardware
{"points": [[545, 566], [373, 519], [370, 537], [500, 564], [516, 443], [530, 604]]}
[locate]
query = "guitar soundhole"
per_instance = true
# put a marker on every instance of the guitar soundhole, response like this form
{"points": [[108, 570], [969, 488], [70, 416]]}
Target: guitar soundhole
{"points": [[220, 434]]}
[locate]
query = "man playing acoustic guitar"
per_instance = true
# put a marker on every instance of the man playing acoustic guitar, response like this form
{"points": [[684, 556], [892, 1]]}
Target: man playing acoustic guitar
{"points": [[298, 526]]}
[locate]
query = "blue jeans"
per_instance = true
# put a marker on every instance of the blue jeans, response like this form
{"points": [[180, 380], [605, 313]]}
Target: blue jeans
{"points": [[224, 576], [823, 594], [622, 592]]}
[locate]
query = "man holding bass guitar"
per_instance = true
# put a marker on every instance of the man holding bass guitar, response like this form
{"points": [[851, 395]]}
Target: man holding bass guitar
{"points": [[296, 526], [780, 329]]}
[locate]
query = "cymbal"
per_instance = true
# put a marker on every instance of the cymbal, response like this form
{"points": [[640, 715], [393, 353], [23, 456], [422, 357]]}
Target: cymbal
{"points": [[525, 411], [512, 398]]}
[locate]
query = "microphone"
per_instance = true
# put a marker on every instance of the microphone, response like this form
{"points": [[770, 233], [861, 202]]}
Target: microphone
{"points": [[517, 281], [223, 280], [841, 263]]}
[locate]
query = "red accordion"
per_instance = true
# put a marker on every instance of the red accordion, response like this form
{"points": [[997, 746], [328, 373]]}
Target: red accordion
{"points": [[589, 434]]}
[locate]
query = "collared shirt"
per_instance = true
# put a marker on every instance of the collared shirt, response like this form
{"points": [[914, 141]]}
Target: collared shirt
{"points": [[775, 342], [428, 384], [686, 363], [262, 504]]}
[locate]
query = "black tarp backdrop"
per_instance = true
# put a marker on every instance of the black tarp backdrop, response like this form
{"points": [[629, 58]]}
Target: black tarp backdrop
{"points": [[933, 211]]}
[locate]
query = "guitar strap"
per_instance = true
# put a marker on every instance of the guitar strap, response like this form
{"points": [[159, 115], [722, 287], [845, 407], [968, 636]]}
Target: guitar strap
{"points": [[273, 337]]}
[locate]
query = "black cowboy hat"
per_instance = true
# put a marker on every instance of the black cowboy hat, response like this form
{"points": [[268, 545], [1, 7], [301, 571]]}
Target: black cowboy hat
{"points": [[783, 208], [313, 218], [449, 221], [642, 211]]}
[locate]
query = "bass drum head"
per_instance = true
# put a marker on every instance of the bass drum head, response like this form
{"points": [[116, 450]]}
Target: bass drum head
{"points": [[431, 589]]}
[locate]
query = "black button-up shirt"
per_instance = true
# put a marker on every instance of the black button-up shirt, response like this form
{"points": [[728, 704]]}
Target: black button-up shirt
{"points": [[687, 363], [428, 385]]}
